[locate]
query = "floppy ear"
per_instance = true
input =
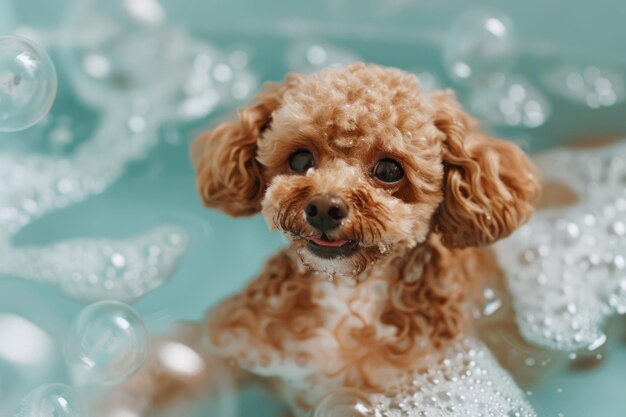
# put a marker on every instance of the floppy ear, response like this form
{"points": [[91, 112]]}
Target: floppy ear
{"points": [[490, 186], [228, 176]]}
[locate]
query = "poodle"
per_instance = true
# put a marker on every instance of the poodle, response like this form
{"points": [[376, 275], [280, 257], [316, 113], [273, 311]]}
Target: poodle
{"points": [[388, 195]]}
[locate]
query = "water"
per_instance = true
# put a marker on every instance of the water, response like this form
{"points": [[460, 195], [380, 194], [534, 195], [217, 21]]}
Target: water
{"points": [[147, 186]]}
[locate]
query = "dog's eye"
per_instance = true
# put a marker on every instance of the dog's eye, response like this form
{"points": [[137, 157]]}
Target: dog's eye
{"points": [[389, 171], [301, 160]]}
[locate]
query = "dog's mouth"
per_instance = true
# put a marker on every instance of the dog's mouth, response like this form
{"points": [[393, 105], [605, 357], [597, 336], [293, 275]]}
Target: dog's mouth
{"points": [[329, 249]]}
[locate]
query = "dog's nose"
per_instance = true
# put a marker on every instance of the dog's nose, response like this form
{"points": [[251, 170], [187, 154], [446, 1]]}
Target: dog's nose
{"points": [[325, 211]]}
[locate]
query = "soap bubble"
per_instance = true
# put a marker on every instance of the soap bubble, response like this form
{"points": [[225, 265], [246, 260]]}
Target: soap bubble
{"points": [[28, 83], [107, 344], [479, 45], [122, 48], [198, 383], [344, 402], [50, 400]]}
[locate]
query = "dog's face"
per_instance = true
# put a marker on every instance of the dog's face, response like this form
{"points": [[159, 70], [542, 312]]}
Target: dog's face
{"points": [[356, 163], [355, 168]]}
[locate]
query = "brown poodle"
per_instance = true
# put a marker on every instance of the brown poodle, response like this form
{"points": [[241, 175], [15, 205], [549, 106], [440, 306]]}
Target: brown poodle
{"points": [[385, 192]]}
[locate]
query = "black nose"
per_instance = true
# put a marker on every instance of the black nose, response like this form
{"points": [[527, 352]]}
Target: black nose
{"points": [[326, 211]]}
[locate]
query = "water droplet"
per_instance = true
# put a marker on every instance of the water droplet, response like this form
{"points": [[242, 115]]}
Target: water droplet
{"points": [[136, 124], [344, 402], [383, 248], [479, 45], [107, 343], [492, 306], [618, 228], [598, 342], [530, 361], [28, 83]]}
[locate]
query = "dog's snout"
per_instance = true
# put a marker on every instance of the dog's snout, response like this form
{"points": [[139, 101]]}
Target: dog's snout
{"points": [[325, 211]]}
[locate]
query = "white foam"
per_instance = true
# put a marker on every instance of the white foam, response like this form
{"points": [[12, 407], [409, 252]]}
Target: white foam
{"points": [[566, 269], [101, 269], [463, 380], [33, 185]]}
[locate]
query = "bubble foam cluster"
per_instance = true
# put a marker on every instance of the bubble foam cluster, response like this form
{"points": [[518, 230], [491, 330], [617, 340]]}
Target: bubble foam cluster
{"points": [[99, 269], [590, 85], [516, 102], [33, 185], [133, 50], [463, 380], [566, 268]]}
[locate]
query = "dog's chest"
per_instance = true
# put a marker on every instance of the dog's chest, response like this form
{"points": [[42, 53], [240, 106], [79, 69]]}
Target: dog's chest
{"points": [[347, 336], [347, 325]]}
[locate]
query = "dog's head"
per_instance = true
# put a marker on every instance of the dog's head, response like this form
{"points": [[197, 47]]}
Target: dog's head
{"points": [[358, 162]]}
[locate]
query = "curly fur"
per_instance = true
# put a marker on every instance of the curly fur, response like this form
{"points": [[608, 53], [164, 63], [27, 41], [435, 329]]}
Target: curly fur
{"points": [[408, 289]]}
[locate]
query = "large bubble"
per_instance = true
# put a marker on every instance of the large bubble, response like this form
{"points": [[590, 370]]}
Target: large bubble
{"points": [[28, 83], [51, 400], [107, 344], [479, 45]]}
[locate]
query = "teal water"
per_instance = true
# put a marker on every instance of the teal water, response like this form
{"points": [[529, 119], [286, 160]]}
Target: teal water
{"points": [[224, 253]]}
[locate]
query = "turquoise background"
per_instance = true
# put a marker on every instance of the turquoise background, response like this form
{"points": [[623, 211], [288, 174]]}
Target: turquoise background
{"points": [[224, 252]]}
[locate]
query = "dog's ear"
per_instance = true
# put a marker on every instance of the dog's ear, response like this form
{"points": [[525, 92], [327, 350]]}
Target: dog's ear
{"points": [[228, 176], [490, 186]]}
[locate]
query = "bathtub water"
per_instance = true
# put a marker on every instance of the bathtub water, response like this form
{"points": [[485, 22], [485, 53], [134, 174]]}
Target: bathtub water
{"points": [[146, 191]]}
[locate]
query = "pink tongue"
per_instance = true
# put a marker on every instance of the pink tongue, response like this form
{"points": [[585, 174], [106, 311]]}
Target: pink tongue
{"points": [[334, 244]]}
